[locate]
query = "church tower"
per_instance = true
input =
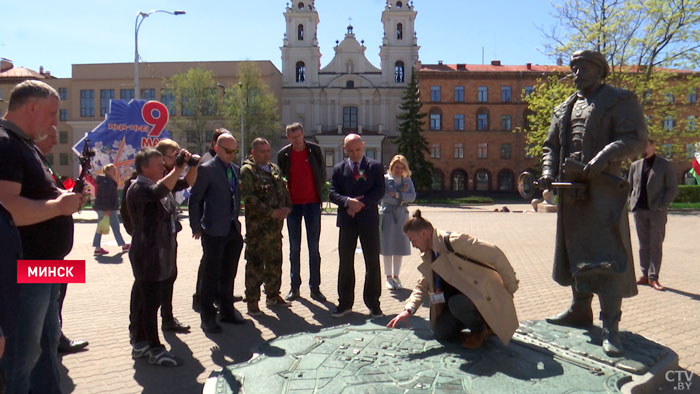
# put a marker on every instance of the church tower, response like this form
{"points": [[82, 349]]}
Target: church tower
{"points": [[399, 50], [301, 57]]}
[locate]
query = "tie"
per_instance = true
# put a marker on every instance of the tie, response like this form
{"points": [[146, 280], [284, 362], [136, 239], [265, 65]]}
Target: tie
{"points": [[355, 170]]}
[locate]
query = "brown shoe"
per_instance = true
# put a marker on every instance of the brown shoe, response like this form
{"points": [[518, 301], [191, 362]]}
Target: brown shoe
{"points": [[474, 340], [656, 285], [643, 280], [275, 300], [253, 308]]}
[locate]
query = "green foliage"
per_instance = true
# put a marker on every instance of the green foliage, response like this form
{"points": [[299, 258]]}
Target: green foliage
{"points": [[411, 142], [195, 92], [688, 194], [252, 99]]}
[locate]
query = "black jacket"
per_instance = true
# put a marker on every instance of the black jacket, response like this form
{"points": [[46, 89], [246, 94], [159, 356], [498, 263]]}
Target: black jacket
{"points": [[316, 160], [107, 198]]}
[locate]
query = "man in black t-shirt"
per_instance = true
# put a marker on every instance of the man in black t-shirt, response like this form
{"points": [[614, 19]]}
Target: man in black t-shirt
{"points": [[42, 214]]}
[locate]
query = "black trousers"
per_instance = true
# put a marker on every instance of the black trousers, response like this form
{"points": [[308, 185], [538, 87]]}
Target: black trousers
{"points": [[166, 310], [459, 313], [347, 242], [218, 270], [146, 298]]}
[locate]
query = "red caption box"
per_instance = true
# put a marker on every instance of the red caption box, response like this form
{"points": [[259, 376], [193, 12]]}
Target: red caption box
{"points": [[50, 271]]}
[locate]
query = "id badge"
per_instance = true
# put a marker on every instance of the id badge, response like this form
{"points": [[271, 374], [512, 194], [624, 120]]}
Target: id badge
{"points": [[437, 298]]}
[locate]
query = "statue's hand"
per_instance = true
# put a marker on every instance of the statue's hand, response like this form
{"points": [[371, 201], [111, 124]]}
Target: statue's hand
{"points": [[595, 166]]}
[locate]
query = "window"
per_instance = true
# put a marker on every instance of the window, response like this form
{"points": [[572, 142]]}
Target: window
{"points": [[528, 90], [505, 181], [300, 6], [301, 72], [435, 151], [459, 151], [399, 31], [693, 96], [669, 122], [689, 151], [482, 151], [692, 123], [458, 180], [63, 115], [668, 151], [63, 159], [87, 103], [459, 122], [167, 97], [435, 93], [185, 107], [506, 93], [350, 85], [482, 94], [126, 94], [210, 100], [62, 137], [399, 4], [330, 157], [669, 98], [482, 180], [435, 123], [482, 119], [191, 135], [436, 184], [62, 93], [398, 72], [300, 32], [350, 117], [148, 94], [505, 123], [371, 153], [105, 96], [459, 94], [505, 151]]}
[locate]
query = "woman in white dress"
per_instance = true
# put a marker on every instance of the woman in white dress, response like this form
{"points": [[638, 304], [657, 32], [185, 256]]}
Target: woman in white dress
{"points": [[394, 213]]}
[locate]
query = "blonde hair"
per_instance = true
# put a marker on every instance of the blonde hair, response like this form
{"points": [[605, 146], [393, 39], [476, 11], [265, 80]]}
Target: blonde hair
{"points": [[108, 167], [400, 159]]}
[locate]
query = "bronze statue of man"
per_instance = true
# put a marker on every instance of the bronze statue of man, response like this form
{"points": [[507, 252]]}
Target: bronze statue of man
{"points": [[590, 134]]}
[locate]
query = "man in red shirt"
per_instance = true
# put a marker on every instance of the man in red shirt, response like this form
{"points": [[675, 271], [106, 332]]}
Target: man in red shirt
{"points": [[303, 165]]}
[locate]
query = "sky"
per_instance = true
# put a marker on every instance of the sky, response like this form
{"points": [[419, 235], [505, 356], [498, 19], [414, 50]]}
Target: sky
{"points": [[57, 34]]}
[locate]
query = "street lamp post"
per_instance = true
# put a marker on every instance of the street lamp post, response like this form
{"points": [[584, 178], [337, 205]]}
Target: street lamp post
{"points": [[137, 25]]}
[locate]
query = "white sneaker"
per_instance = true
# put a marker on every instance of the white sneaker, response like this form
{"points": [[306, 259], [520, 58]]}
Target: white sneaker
{"points": [[390, 284], [397, 284]]}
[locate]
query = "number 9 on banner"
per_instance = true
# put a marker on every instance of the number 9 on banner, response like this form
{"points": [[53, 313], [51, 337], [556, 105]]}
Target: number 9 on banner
{"points": [[155, 114]]}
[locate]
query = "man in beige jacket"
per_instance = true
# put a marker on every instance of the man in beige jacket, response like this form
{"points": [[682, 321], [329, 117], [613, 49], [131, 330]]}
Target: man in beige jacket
{"points": [[470, 284]]}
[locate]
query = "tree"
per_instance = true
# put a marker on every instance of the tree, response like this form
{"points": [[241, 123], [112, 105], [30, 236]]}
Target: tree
{"points": [[195, 91], [643, 41], [411, 142], [252, 99]]}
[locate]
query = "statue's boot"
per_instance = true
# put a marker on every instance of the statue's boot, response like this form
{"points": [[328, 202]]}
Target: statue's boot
{"points": [[579, 313], [610, 315]]}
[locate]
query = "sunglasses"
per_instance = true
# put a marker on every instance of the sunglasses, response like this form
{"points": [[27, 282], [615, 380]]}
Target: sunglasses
{"points": [[229, 151]]}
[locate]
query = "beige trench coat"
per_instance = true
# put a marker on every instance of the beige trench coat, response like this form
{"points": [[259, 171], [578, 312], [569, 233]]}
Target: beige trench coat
{"points": [[490, 291]]}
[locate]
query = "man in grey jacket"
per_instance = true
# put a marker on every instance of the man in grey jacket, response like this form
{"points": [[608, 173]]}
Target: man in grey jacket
{"points": [[654, 187]]}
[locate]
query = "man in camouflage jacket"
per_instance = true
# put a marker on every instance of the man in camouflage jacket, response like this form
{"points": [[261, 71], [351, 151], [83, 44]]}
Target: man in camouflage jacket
{"points": [[267, 204]]}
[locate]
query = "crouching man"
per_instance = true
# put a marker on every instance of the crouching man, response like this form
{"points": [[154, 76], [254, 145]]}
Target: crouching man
{"points": [[470, 284]]}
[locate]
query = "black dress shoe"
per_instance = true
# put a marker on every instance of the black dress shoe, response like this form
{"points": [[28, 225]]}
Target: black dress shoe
{"points": [[237, 298], [232, 318], [210, 326], [293, 295], [65, 345], [174, 325], [195, 302], [318, 296]]}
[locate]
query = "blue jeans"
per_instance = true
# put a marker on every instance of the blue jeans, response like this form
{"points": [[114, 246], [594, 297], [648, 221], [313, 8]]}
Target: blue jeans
{"points": [[312, 217], [31, 361], [113, 223]]}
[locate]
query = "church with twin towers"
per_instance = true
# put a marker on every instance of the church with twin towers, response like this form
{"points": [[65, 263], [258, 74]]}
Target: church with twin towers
{"points": [[350, 94]]}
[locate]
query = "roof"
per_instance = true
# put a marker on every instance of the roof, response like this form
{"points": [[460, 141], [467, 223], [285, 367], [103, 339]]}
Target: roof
{"points": [[23, 73], [493, 68]]}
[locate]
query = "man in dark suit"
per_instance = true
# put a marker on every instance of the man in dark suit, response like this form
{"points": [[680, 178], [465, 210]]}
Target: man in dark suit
{"points": [[654, 187], [357, 186], [214, 206]]}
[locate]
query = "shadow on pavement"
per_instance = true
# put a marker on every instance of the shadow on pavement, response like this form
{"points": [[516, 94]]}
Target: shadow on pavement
{"points": [[692, 296], [400, 295], [116, 259], [182, 379], [234, 344], [67, 384]]}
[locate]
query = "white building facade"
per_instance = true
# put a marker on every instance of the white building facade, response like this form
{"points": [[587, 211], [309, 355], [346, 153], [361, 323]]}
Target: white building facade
{"points": [[349, 95]]}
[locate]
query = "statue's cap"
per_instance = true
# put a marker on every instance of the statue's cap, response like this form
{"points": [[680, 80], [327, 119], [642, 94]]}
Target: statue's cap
{"points": [[594, 57]]}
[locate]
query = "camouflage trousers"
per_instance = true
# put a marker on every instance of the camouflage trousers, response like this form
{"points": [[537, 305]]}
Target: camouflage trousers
{"points": [[263, 265]]}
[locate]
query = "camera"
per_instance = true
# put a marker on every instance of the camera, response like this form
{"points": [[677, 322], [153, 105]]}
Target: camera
{"points": [[180, 159]]}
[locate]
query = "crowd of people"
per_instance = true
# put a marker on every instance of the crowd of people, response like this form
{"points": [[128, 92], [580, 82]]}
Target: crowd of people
{"points": [[469, 282]]}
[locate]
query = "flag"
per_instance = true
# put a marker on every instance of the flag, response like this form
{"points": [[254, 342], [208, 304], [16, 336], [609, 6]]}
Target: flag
{"points": [[695, 171]]}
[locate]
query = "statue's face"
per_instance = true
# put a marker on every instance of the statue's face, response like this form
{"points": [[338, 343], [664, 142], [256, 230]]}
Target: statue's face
{"points": [[586, 75]]}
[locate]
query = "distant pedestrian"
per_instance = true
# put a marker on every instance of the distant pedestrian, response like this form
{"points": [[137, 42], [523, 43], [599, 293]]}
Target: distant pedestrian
{"points": [[654, 186], [357, 185], [303, 165], [267, 203], [394, 213], [107, 204]]}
